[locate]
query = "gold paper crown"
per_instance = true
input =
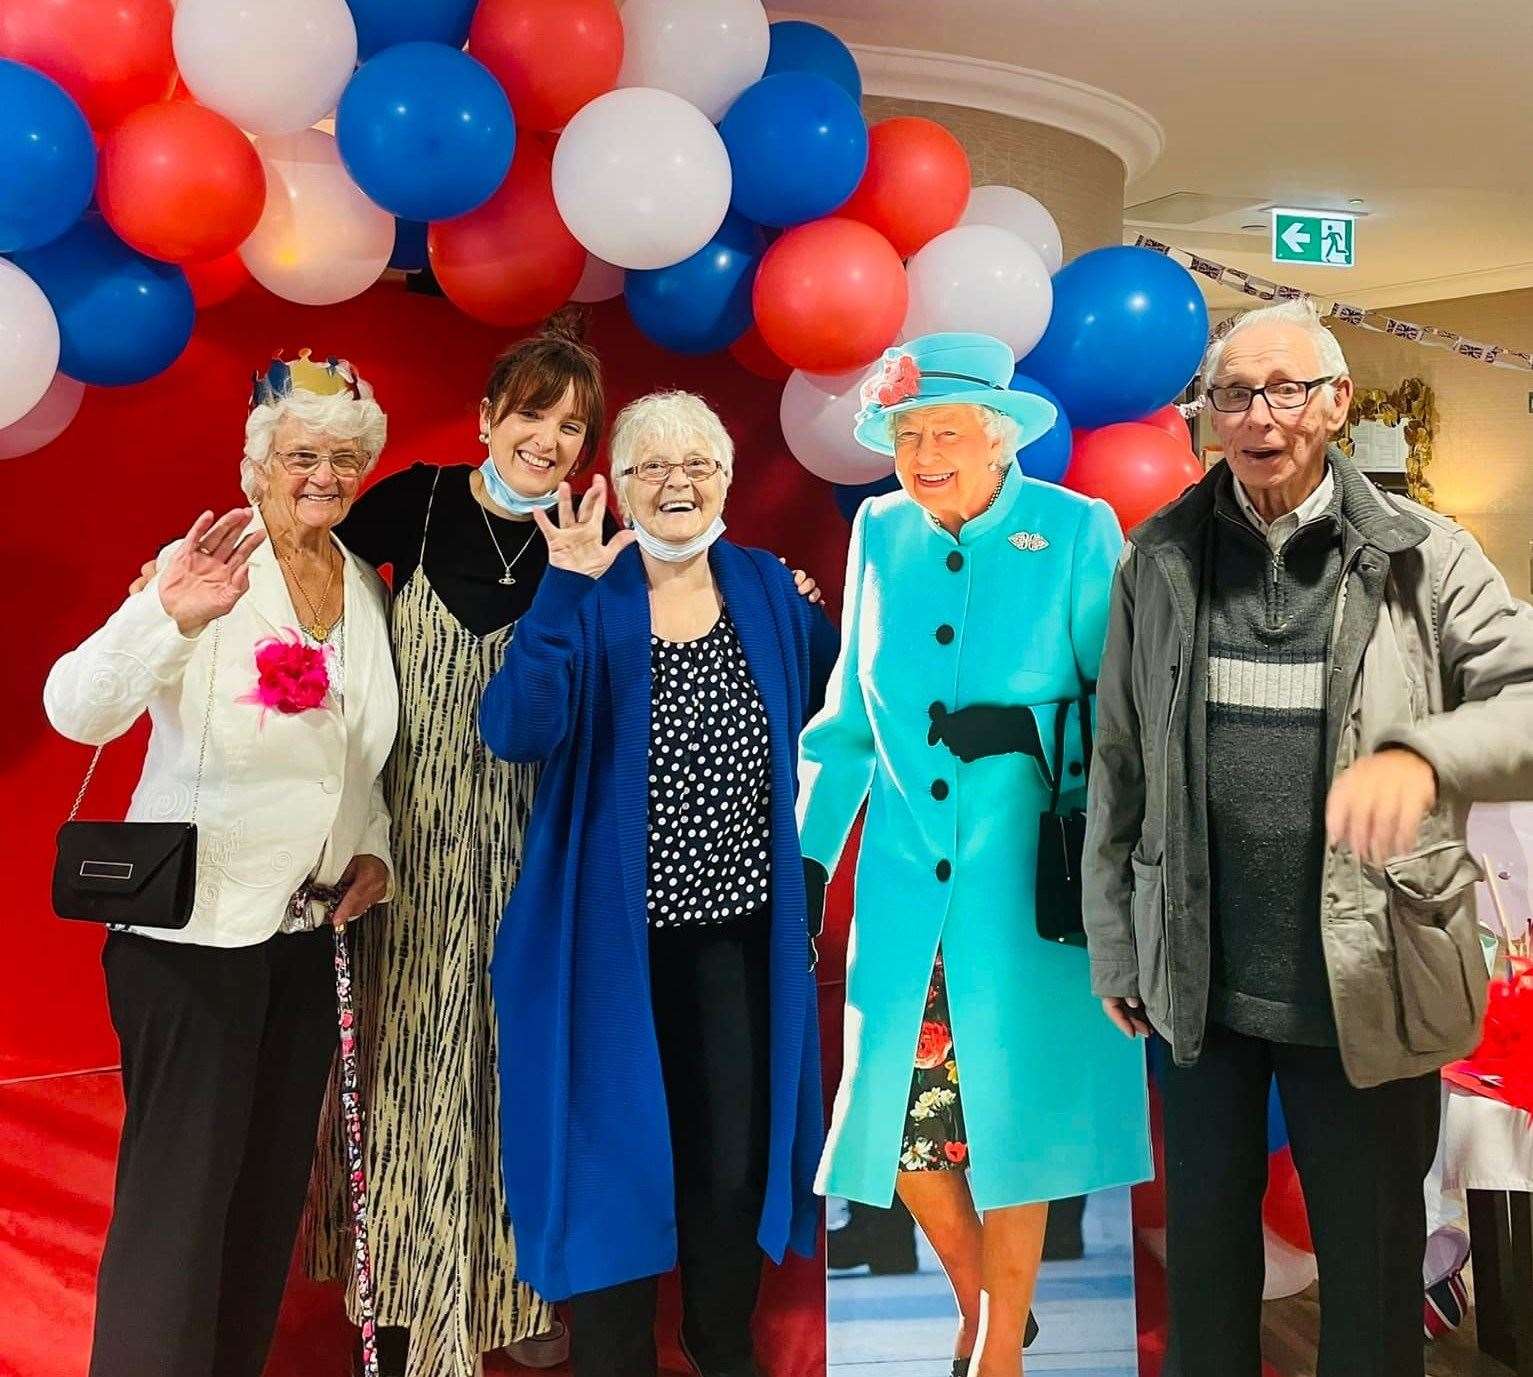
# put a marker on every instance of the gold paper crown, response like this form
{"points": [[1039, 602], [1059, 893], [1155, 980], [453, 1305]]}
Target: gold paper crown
{"points": [[326, 379]]}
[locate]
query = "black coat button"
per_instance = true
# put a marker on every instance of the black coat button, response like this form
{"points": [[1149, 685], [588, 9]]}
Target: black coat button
{"points": [[1075, 767], [939, 789], [943, 870], [954, 560], [944, 634]]}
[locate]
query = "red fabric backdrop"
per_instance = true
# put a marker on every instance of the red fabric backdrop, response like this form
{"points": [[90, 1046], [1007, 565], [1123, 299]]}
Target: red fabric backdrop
{"points": [[76, 520]]}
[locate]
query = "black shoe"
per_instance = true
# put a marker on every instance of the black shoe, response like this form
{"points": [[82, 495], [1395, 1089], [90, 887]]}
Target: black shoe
{"points": [[884, 1241], [961, 1365], [1062, 1238]]}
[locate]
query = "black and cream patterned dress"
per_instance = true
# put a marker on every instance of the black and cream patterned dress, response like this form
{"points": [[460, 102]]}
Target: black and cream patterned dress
{"points": [[443, 1255]]}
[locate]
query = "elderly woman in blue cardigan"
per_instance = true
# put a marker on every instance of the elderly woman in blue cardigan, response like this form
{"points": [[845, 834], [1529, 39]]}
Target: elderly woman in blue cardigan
{"points": [[980, 1080], [652, 978]]}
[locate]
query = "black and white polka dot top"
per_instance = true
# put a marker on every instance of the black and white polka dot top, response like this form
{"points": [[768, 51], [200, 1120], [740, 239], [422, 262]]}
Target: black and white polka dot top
{"points": [[710, 775]]}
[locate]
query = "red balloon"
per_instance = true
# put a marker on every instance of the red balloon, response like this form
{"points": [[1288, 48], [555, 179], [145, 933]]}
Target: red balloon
{"points": [[751, 353], [180, 182], [1169, 419], [552, 56], [1136, 469], [216, 280], [112, 56], [830, 296], [511, 261], [916, 184], [1283, 1207]]}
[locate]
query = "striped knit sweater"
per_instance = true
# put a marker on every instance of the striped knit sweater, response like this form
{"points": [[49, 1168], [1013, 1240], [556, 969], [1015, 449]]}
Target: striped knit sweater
{"points": [[1270, 615]]}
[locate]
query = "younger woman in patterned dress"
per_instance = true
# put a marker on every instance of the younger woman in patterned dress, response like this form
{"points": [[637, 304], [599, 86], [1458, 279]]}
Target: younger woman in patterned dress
{"points": [[466, 560]]}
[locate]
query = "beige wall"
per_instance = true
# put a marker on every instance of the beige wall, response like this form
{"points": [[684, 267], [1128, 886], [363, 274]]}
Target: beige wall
{"points": [[1079, 181], [1482, 470]]}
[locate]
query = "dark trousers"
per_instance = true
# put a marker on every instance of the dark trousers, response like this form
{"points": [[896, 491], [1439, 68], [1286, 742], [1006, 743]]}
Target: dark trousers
{"points": [[711, 1006], [1361, 1155], [225, 1055]]}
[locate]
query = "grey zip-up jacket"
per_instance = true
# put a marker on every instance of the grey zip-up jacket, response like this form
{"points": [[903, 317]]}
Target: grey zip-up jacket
{"points": [[1430, 651]]}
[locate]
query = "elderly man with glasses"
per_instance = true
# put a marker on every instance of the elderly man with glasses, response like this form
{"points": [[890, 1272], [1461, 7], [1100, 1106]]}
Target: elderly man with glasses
{"points": [[1306, 684]]}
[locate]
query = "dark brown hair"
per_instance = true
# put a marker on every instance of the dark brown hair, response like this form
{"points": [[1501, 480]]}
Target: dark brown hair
{"points": [[534, 373]]}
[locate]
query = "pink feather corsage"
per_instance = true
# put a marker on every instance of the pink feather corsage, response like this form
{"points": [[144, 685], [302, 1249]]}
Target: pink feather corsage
{"points": [[291, 675]]}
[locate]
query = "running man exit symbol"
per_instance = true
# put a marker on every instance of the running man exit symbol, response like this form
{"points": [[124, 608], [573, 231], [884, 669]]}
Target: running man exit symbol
{"points": [[1313, 237]]}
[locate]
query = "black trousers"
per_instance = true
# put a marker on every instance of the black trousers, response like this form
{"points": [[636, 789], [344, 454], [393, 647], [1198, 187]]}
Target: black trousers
{"points": [[225, 1055], [1362, 1156], [710, 991]]}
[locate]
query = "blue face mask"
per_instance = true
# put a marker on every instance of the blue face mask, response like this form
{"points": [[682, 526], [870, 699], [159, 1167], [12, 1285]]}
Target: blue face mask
{"points": [[671, 551], [502, 494]]}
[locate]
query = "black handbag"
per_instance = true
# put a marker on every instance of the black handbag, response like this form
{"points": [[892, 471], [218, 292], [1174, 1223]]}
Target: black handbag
{"points": [[131, 874], [1061, 844]]}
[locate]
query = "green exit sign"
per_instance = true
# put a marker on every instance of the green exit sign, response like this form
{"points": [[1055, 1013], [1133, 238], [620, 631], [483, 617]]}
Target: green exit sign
{"points": [[1318, 237]]}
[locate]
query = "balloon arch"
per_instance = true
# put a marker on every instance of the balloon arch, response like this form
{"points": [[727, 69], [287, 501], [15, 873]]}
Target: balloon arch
{"points": [[711, 167]]}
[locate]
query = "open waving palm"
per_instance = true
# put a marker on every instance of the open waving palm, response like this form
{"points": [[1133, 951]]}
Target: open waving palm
{"points": [[208, 572], [576, 543]]}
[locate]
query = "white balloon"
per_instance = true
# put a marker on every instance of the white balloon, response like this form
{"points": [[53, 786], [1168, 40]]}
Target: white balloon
{"points": [[600, 281], [1289, 1269], [29, 343], [1025, 216], [705, 51], [981, 278], [46, 421], [319, 240], [271, 66], [641, 178], [817, 413]]}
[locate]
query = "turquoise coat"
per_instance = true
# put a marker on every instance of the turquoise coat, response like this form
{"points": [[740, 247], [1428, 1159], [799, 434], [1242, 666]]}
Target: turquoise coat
{"points": [[1013, 610]]}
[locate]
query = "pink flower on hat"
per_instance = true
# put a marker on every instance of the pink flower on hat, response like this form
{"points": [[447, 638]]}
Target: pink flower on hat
{"points": [[898, 380]]}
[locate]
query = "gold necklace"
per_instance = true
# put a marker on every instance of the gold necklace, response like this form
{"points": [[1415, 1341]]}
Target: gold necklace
{"points": [[318, 627]]}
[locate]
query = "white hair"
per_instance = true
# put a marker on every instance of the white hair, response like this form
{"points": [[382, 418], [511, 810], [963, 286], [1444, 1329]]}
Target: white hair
{"points": [[1301, 313], [673, 421], [998, 425], [338, 415]]}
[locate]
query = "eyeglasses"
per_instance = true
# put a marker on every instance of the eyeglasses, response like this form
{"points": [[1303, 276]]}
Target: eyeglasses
{"points": [[1280, 396], [303, 463], [697, 467]]}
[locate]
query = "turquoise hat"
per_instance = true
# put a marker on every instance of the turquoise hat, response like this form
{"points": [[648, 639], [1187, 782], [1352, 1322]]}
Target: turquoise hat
{"points": [[941, 370]]}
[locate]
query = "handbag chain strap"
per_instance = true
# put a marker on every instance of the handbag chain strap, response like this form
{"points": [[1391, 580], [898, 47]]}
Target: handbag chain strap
{"points": [[202, 749]]}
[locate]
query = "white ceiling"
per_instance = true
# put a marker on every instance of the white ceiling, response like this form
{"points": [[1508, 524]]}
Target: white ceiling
{"points": [[1423, 109]]}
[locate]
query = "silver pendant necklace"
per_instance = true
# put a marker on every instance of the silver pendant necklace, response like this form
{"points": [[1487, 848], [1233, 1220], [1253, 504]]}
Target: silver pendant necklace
{"points": [[507, 578]]}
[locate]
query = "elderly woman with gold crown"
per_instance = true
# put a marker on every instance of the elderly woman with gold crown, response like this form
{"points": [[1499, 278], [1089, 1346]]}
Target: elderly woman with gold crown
{"points": [[260, 652]]}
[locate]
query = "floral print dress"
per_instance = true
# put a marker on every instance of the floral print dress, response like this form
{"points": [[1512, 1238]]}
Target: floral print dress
{"points": [[934, 1137]]}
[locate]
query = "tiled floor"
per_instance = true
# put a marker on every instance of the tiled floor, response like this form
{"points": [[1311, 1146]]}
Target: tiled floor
{"points": [[903, 1326]]}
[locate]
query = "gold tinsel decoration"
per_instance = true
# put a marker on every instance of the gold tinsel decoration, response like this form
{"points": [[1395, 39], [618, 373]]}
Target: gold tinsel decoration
{"points": [[1413, 403]]}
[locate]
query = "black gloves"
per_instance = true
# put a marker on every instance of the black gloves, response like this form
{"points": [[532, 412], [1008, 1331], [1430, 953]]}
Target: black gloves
{"points": [[815, 880], [987, 729]]}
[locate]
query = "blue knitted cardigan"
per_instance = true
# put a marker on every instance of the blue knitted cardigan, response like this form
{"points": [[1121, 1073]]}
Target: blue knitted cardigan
{"points": [[586, 1147]]}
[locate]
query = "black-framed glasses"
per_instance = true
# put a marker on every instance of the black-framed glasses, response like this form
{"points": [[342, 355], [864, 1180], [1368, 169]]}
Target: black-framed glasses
{"points": [[1280, 396], [697, 467]]}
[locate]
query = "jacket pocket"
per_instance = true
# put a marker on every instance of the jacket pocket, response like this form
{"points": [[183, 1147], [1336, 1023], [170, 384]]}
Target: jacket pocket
{"points": [[1149, 910], [1431, 920]]}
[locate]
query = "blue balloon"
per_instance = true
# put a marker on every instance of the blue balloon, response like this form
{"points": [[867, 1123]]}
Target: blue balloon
{"points": [[425, 131], [850, 496], [383, 23], [1048, 456], [1277, 1126], [798, 46], [1127, 332], [797, 145], [47, 159], [409, 254], [122, 317], [702, 303]]}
